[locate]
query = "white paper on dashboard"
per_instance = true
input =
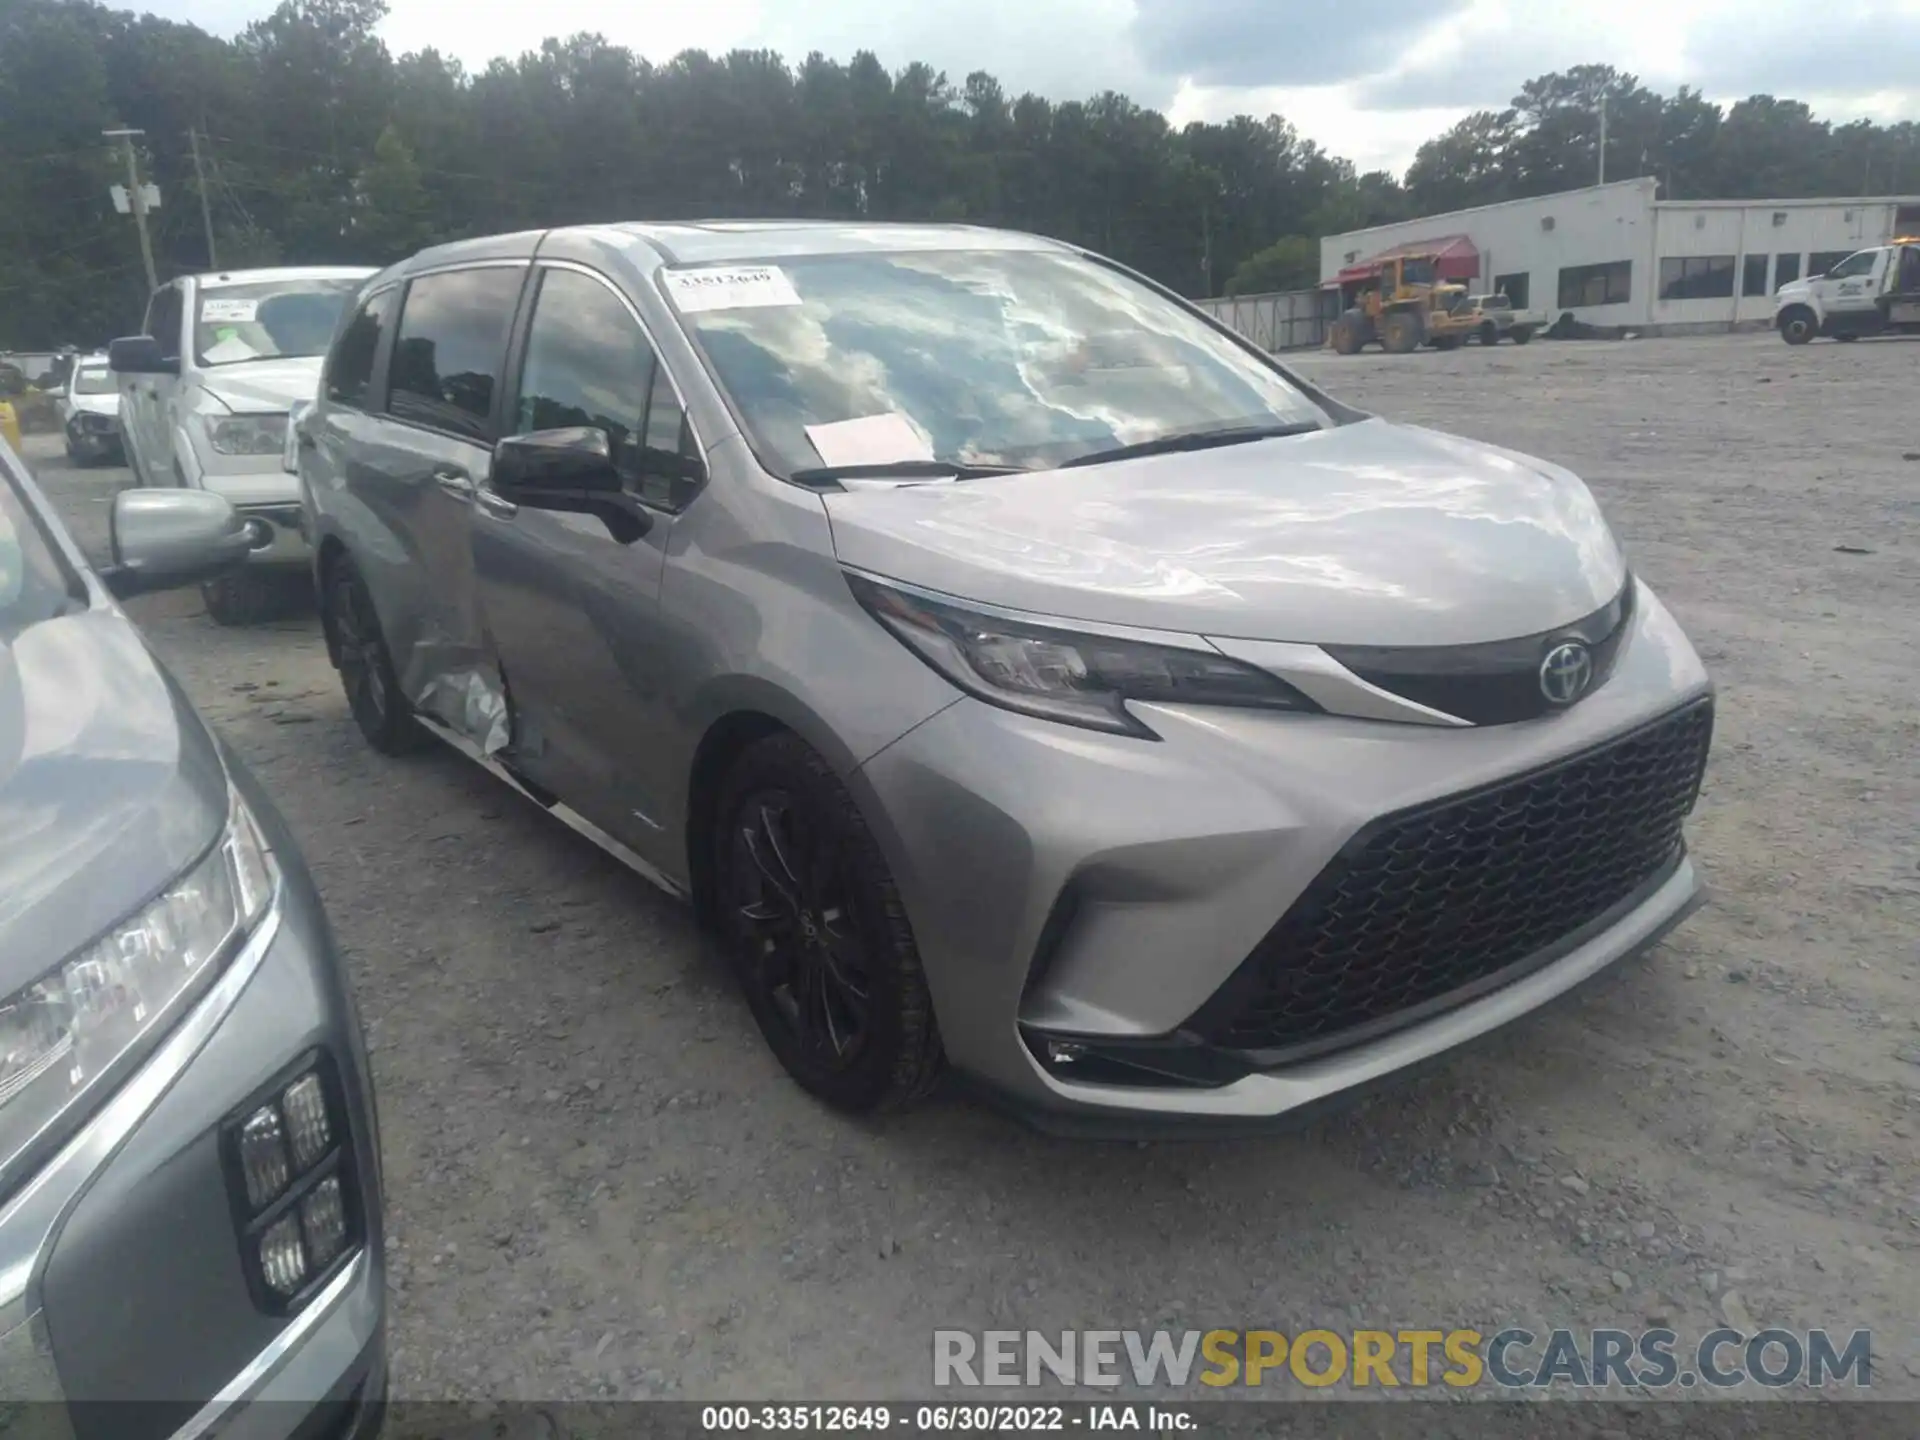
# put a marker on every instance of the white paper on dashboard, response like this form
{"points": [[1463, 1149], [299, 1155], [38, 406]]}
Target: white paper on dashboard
{"points": [[214, 311], [730, 287], [230, 351], [870, 440]]}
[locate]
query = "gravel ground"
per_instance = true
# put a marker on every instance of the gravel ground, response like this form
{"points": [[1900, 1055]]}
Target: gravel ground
{"points": [[601, 1185]]}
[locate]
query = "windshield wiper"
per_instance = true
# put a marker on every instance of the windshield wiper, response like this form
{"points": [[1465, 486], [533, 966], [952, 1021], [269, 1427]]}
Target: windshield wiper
{"points": [[900, 470], [1194, 440]]}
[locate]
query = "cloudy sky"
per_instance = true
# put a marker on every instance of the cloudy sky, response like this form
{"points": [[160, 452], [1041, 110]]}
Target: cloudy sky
{"points": [[1368, 79]]}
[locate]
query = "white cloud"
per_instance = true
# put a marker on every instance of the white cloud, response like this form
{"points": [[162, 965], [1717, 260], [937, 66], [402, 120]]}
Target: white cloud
{"points": [[1366, 79]]}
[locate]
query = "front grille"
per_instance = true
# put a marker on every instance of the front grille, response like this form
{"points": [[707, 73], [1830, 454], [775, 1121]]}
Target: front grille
{"points": [[1432, 905]]}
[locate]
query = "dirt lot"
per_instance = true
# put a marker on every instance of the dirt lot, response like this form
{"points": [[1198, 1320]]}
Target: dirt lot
{"points": [[601, 1184]]}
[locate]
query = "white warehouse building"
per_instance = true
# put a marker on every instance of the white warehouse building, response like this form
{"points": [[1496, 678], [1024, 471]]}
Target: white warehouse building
{"points": [[1618, 257]]}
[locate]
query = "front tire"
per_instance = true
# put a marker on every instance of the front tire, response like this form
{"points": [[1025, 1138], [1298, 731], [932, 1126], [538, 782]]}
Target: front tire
{"points": [[373, 691], [1489, 334], [1400, 333], [1797, 325], [245, 597], [1521, 334], [818, 934]]}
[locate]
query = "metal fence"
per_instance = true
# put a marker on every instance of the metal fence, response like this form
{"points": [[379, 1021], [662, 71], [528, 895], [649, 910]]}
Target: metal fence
{"points": [[1290, 320]]}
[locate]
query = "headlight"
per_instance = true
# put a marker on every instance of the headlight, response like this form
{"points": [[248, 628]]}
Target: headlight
{"points": [[247, 434], [61, 1034], [1076, 678], [290, 437]]}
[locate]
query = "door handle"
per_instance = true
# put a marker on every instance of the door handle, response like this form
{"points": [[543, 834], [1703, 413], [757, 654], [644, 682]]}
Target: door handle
{"points": [[494, 505], [454, 481]]}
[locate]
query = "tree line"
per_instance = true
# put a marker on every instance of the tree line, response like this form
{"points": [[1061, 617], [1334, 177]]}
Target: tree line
{"points": [[318, 145]]}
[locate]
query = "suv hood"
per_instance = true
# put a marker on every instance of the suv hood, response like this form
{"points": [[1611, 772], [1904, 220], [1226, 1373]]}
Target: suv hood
{"points": [[110, 787], [1367, 534], [254, 386]]}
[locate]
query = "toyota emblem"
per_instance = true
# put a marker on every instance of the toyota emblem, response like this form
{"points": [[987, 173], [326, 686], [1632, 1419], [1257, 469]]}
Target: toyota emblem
{"points": [[1566, 672]]}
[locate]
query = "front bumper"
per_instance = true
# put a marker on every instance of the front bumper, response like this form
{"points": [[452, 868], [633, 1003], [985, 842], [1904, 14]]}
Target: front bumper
{"points": [[1073, 884], [276, 533], [121, 1276]]}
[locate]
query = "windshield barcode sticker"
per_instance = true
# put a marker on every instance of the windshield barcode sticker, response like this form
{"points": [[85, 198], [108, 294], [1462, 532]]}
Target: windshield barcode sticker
{"points": [[730, 287], [227, 312]]}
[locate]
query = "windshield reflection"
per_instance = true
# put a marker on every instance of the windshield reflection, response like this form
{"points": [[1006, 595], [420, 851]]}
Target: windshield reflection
{"points": [[997, 357]]}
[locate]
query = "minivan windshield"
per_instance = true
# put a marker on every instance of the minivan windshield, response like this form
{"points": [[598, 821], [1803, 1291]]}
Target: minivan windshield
{"points": [[268, 319], [1018, 358]]}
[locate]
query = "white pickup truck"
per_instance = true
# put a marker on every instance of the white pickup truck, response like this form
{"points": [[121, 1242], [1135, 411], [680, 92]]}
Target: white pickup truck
{"points": [[1871, 292], [204, 394], [1498, 318]]}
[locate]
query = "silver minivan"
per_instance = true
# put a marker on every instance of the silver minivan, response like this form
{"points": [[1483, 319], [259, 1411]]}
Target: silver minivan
{"points": [[1013, 666]]}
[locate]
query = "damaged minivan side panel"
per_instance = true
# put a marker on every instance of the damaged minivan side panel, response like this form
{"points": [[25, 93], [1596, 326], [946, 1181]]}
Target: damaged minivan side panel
{"points": [[406, 465]]}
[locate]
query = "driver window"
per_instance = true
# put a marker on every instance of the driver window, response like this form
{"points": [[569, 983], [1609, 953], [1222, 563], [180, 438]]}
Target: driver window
{"points": [[588, 362]]}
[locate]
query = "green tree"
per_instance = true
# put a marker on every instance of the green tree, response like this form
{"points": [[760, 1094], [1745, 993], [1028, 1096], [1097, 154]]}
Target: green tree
{"points": [[392, 211], [1291, 263]]}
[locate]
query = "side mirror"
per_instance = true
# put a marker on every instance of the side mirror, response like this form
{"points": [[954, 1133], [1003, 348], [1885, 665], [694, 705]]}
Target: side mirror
{"points": [[577, 460], [569, 470], [165, 539], [139, 355]]}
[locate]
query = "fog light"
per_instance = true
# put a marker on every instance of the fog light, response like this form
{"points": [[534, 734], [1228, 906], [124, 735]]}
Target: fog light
{"points": [[1064, 1052], [305, 1106], [263, 1156], [283, 1260], [323, 1216]]}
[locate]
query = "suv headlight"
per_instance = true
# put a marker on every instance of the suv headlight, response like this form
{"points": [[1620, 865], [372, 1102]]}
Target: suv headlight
{"points": [[290, 437], [1061, 675], [246, 434], [63, 1036]]}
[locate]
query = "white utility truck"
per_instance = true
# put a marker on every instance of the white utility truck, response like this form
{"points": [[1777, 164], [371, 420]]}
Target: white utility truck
{"points": [[1871, 292]]}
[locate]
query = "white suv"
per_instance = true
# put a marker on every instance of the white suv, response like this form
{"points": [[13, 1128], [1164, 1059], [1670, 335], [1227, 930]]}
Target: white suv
{"points": [[204, 395]]}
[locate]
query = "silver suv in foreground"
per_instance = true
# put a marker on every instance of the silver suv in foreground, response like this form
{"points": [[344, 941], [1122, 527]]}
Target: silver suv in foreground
{"points": [[1015, 667], [190, 1198]]}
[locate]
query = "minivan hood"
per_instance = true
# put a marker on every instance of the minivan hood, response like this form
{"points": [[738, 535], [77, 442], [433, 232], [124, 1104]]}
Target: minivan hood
{"points": [[255, 386], [1366, 534], [110, 787]]}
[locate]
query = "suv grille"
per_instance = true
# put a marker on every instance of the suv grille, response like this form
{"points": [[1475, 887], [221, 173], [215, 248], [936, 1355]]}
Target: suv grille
{"points": [[1423, 907]]}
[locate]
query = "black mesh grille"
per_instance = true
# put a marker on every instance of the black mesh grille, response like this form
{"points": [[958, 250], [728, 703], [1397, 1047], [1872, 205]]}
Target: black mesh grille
{"points": [[1425, 904]]}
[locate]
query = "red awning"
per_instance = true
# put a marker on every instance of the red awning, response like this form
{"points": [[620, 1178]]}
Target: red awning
{"points": [[1455, 258]]}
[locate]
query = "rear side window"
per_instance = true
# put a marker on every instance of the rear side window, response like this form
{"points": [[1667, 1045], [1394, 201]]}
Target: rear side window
{"points": [[350, 367], [451, 344]]}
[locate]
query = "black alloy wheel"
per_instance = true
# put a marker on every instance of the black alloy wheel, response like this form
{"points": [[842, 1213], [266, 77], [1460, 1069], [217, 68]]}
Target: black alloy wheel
{"points": [[366, 669], [818, 934]]}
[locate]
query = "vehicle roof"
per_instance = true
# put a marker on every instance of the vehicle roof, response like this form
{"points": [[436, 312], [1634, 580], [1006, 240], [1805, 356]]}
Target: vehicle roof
{"points": [[214, 279], [697, 242]]}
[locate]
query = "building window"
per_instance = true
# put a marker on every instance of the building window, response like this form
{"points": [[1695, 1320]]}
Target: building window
{"points": [[1821, 261], [1696, 277], [1786, 268], [1753, 277], [1610, 284], [1514, 287]]}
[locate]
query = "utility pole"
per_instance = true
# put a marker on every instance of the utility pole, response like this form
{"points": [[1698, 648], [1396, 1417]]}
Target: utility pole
{"points": [[137, 200], [200, 184], [1603, 138]]}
